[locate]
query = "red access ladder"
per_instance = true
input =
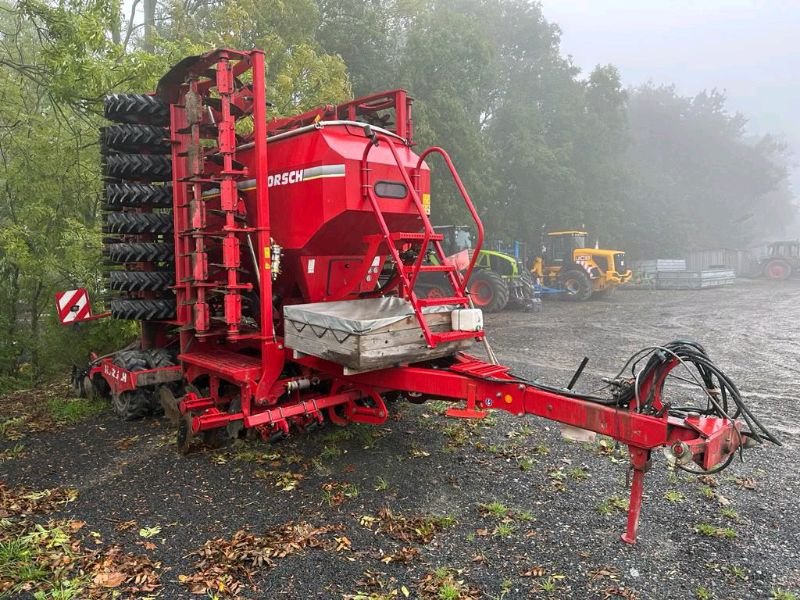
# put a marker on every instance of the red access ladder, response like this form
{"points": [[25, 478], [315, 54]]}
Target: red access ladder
{"points": [[428, 238]]}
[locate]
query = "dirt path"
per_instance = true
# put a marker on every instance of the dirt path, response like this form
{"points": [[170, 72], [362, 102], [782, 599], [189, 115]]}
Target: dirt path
{"points": [[551, 512]]}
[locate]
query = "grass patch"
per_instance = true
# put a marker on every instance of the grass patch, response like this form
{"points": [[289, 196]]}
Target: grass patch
{"points": [[709, 530], [73, 410], [495, 509], [12, 453], [578, 473], [11, 429], [504, 530], [674, 496], [613, 504], [729, 513], [702, 593], [779, 594]]}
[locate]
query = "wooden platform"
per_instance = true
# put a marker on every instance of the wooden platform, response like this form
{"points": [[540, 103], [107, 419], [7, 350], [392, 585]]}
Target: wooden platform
{"points": [[361, 345]]}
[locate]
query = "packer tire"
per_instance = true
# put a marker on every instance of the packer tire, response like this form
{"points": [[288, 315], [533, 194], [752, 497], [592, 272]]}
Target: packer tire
{"points": [[141, 252], [143, 310], [137, 195], [136, 108], [150, 167], [135, 138], [140, 281], [132, 223]]}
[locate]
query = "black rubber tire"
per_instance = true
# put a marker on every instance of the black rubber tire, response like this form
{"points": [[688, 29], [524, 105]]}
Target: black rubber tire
{"points": [[777, 269], [488, 291], [143, 310], [129, 223], [576, 285], [141, 281], [130, 360], [150, 167], [131, 406], [159, 357], [134, 138], [137, 195], [141, 252], [136, 108]]}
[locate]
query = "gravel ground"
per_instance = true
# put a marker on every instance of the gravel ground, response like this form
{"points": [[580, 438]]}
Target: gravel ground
{"points": [[556, 519]]}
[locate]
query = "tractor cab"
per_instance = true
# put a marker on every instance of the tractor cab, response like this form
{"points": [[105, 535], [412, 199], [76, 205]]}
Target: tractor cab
{"points": [[456, 238], [558, 247]]}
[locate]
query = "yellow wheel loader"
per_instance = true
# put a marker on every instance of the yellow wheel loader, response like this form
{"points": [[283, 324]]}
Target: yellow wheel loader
{"points": [[566, 263]]}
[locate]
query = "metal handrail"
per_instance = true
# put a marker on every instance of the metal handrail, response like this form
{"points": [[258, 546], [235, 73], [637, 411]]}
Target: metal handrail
{"points": [[467, 200]]}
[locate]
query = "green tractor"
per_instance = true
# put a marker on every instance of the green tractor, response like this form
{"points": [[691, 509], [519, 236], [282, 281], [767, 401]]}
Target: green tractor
{"points": [[499, 280]]}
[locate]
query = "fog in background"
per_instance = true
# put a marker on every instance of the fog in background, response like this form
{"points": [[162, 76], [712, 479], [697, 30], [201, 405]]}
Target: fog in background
{"points": [[750, 50]]}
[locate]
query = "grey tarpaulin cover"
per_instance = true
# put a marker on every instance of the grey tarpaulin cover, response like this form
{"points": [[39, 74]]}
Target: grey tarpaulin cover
{"points": [[355, 316]]}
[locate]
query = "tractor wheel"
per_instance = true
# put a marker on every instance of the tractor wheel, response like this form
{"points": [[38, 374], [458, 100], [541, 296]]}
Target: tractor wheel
{"points": [[152, 167], [141, 281], [131, 406], [576, 284], [134, 138], [133, 223], [136, 195], [158, 358], [436, 291], [131, 360], [143, 310], [488, 291], [778, 269], [136, 108], [141, 252]]}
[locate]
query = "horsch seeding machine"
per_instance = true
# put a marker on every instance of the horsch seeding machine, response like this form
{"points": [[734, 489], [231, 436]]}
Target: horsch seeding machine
{"points": [[272, 266]]}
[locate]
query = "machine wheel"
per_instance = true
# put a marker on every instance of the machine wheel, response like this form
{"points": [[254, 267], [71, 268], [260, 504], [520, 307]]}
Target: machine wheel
{"points": [[136, 108], [488, 291], [152, 167], [77, 380], [576, 284], [134, 138], [141, 252], [88, 389], [131, 406], [140, 281], [136, 195], [131, 223], [143, 310], [778, 269], [158, 358]]}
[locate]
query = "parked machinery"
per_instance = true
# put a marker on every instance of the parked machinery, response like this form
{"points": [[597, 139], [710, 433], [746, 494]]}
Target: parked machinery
{"points": [[498, 280], [253, 255], [782, 260], [567, 263]]}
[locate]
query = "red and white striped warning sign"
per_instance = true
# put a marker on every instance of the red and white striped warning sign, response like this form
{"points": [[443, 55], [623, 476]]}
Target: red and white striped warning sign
{"points": [[73, 306]]}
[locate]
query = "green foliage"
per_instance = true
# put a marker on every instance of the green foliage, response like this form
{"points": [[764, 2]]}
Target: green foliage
{"points": [[74, 410], [536, 141]]}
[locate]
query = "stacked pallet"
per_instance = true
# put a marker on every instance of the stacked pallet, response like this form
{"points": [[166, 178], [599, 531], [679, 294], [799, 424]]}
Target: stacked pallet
{"points": [[671, 274]]}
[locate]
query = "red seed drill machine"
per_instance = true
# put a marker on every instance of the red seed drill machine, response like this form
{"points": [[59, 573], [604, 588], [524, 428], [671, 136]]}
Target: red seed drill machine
{"points": [[273, 267]]}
